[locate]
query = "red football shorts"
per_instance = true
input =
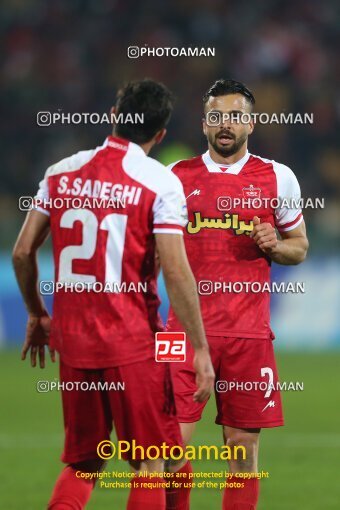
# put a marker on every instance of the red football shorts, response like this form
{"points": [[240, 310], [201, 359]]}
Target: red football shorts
{"points": [[252, 403], [144, 411]]}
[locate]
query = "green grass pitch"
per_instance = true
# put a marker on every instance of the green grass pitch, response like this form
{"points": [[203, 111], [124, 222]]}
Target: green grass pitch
{"points": [[303, 458]]}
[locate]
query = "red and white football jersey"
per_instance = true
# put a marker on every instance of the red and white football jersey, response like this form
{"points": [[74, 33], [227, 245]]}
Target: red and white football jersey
{"points": [[97, 244], [217, 237]]}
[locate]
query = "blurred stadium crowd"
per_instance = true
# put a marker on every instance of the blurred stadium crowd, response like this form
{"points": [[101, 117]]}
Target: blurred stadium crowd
{"points": [[71, 55]]}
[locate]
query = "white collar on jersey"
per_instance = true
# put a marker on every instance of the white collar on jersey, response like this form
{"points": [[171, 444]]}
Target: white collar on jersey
{"points": [[232, 169], [131, 147]]}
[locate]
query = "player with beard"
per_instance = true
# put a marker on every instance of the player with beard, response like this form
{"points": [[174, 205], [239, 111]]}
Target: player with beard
{"points": [[229, 241]]}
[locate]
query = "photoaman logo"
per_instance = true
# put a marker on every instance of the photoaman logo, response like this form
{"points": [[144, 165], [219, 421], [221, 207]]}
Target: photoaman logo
{"points": [[170, 346]]}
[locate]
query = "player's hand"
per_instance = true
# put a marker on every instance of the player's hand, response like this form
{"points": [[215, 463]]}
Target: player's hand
{"points": [[37, 336], [264, 235], [205, 375]]}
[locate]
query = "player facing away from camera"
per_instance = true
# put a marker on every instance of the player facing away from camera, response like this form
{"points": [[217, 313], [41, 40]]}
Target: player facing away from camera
{"points": [[109, 336], [230, 241]]}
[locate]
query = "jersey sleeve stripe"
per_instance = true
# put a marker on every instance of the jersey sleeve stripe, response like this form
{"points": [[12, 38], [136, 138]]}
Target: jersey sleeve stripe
{"points": [[291, 224], [168, 225], [167, 231]]}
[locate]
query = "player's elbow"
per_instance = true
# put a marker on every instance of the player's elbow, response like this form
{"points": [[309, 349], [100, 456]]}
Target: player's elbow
{"points": [[21, 253], [178, 276], [174, 273]]}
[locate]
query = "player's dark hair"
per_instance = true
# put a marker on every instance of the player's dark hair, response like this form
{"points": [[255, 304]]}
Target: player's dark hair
{"points": [[148, 98], [225, 87]]}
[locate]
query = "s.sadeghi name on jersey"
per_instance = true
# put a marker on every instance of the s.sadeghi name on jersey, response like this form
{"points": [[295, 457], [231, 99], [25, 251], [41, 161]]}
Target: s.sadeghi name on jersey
{"points": [[99, 189]]}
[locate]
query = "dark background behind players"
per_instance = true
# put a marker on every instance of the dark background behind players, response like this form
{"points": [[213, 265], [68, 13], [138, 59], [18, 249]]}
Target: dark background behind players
{"points": [[71, 55]]}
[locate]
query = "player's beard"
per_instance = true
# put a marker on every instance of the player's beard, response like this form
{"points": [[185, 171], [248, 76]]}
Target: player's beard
{"points": [[232, 148]]}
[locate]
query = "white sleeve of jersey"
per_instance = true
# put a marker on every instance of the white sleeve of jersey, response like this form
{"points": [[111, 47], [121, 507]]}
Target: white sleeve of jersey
{"points": [[170, 209], [41, 199], [288, 214]]}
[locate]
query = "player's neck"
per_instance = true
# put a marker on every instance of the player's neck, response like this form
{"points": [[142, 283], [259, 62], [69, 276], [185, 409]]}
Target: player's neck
{"points": [[146, 147], [227, 160]]}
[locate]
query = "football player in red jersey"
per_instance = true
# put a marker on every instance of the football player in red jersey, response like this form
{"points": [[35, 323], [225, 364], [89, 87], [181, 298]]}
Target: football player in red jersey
{"points": [[109, 336], [235, 208]]}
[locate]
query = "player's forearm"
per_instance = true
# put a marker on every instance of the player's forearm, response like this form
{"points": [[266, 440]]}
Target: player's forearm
{"points": [[26, 271], [182, 292], [290, 251]]}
